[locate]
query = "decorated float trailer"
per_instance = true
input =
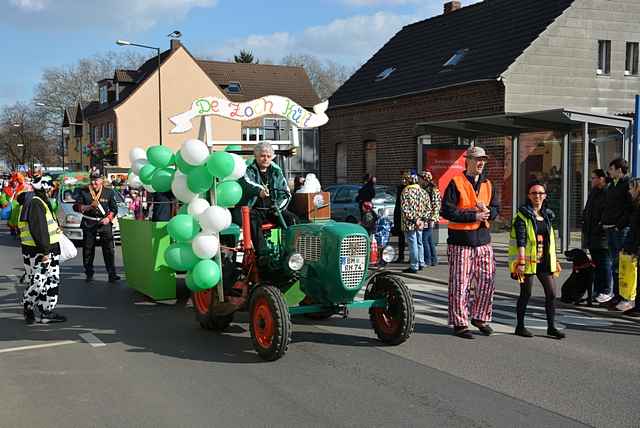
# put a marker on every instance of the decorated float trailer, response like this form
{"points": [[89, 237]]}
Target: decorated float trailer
{"points": [[315, 268]]}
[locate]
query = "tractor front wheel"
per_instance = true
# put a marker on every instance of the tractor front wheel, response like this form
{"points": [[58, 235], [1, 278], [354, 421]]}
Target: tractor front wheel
{"points": [[394, 322], [208, 321], [270, 323]]}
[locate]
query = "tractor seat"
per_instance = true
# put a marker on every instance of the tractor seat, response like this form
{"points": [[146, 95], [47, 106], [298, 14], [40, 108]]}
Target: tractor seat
{"points": [[268, 226]]}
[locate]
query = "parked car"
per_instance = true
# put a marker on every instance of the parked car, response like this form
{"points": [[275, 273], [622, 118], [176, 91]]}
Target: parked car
{"points": [[344, 206], [70, 220]]}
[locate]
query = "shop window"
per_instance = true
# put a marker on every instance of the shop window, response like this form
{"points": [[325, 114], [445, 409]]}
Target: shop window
{"points": [[631, 61], [604, 57]]}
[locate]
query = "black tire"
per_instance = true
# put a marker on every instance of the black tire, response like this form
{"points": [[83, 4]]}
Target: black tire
{"points": [[395, 322], [207, 320], [269, 322]]}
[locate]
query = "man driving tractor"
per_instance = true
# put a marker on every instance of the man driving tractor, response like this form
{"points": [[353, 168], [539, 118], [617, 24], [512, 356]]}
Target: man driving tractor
{"points": [[264, 188]]}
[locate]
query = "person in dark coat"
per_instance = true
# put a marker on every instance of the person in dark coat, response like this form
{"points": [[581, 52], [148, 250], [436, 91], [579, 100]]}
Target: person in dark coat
{"points": [[98, 207], [616, 215], [595, 238], [163, 206], [367, 192]]}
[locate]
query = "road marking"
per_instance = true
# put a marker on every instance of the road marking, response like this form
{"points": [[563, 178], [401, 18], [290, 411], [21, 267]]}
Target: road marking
{"points": [[92, 340], [44, 345]]}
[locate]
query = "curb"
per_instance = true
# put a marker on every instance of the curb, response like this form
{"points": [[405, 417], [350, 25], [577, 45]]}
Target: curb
{"points": [[601, 312]]}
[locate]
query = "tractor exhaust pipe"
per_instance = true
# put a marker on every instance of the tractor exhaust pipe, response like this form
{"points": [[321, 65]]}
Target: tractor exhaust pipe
{"points": [[246, 228]]}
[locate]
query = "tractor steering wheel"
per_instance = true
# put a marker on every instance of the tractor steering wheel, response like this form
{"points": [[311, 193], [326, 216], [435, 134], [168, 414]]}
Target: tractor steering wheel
{"points": [[280, 200]]}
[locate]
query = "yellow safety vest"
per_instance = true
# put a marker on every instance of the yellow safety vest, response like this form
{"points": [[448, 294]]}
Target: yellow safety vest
{"points": [[52, 225], [531, 248]]}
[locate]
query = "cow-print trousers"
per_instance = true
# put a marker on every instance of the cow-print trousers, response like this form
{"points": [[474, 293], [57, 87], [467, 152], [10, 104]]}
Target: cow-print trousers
{"points": [[43, 279]]}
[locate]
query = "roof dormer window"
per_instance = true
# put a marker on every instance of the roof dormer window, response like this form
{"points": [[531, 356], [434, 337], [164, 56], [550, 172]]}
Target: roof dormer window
{"points": [[233, 88], [103, 94], [456, 58], [385, 73]]}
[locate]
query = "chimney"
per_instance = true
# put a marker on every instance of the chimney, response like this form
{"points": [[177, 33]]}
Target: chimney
{"points": [[175, 44], [451, 6]]}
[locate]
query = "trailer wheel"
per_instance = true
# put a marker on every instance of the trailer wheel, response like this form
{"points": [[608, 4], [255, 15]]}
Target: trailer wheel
{"points": [[270, 323], [395, 322], [208, 321]]}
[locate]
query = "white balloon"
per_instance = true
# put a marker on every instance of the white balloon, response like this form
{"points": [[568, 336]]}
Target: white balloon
{"points": [[215, 219], [134, 181], [180, 189], [239, 167], [137, 153], [197, 206], [149, 188], [137, 165], [194, 152], [205, 245]]}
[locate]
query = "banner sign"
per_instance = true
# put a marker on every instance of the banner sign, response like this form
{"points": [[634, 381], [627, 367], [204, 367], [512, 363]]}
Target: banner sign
{"points": [[268, 105]]}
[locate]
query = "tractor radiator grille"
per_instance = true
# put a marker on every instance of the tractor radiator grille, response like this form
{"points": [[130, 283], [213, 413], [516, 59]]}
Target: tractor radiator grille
{"points": [[309, 247], [354, 247]]}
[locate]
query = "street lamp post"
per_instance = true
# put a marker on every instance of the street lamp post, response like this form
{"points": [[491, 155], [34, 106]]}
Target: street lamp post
{"points": [[128, 43]]}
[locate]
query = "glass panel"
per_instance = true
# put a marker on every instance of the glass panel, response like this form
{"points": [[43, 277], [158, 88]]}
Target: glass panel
{"points": [[540, 158], [576, 203]]}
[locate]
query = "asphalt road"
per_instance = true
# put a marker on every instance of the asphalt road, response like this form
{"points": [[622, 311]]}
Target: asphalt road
{"points": [[123, 361]]}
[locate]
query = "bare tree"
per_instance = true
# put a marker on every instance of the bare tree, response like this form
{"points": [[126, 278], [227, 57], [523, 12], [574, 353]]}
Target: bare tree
{"points": [[326, 76], [23, 139]]}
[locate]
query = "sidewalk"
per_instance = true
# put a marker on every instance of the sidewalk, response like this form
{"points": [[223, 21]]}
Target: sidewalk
{"points": [[505, 286]]}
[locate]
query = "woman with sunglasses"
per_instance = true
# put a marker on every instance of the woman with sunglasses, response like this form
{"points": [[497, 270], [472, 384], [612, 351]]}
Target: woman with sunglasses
{"points": [[532, 253]]}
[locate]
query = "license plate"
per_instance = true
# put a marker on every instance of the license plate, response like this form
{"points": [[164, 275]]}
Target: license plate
{"points": [[352, 264]]}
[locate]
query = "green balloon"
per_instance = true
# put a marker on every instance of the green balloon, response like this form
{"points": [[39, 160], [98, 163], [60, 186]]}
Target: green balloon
{"points": [[191, 285], [161, 179], [180, 257], [184, 167], [233, 148], [54, 204], [199, 180], [183, 227], [206, 274], [220, 164], [146, 173], [159, 156], [229, 194], [3, 199]]}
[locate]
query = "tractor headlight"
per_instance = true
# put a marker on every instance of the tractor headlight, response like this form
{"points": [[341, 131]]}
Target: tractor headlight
{"points": [[296, 261], [389, 254]]}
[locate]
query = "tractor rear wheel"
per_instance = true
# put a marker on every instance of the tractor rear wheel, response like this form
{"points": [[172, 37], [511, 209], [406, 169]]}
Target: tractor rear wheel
{"points": [[208, 321], [269, 322], [394, 322]]}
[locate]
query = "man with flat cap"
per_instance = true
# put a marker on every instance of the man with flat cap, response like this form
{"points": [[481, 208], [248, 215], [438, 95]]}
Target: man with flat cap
{"points": [[98, 207], [469, 203]]}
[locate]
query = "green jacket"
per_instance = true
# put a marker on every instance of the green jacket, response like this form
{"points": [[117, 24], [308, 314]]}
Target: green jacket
{"points": [[251, 185]]}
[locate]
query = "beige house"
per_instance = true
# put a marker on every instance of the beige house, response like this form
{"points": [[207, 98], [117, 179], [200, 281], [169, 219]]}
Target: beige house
{"points": [[76, 138], [126, 113]]}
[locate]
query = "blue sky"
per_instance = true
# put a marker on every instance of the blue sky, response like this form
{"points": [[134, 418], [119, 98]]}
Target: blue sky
{"points": [[35, 34]]}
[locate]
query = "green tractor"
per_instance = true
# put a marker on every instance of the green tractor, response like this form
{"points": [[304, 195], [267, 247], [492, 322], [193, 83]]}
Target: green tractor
{"points": [[314, 269]]}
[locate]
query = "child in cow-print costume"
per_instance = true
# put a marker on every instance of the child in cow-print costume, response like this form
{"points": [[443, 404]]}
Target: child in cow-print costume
{"points": [[39, 233]]}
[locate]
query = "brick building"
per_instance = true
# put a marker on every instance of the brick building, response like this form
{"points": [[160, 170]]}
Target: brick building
{"points": [[539, 84]]}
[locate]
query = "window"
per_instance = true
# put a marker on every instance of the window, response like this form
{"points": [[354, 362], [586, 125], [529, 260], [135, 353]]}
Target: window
{"points": [[341, 163], [456, 58], [103, 94], [95, 134], [604, 57], [631, 62], [104, 131], [385, 73], [233, 88], [110, 130]]}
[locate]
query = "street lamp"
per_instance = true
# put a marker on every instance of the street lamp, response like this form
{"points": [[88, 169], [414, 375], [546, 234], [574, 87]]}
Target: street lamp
{"points": [[128, 43]]}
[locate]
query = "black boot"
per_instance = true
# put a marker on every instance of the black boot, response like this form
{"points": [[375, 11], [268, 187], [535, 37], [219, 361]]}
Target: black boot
{"points": [[555, 333], [50, 317], [523, 332], [29, 315]]}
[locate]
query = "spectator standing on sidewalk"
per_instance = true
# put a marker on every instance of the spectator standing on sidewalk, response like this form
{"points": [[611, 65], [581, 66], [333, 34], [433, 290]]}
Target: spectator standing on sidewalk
{"points": [[432, 217], [40, 237], [532, 253], [414, 204], [397, 216], [595, 238], [632, 246], [615, 218], [469, 203]]}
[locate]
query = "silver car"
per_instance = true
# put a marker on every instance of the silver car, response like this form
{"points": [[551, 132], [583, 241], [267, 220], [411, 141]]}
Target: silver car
{"points": [[70, 220], [344, 206]]}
